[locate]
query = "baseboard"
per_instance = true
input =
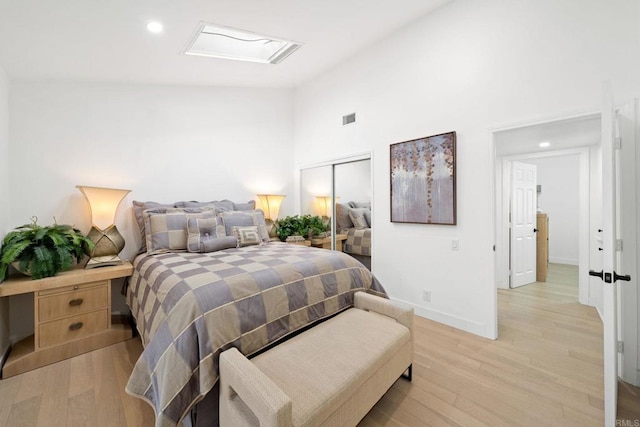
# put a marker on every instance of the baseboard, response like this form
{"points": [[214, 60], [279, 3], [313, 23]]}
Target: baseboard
{"points": [[5, 355], [567, 261], [466, 325]]}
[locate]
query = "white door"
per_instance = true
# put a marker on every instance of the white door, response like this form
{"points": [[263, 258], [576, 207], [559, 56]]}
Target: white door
{"points": [[611, 271], [523, 224], [626, 126]]}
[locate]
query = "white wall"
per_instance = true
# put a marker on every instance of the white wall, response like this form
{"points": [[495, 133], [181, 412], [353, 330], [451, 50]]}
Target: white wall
{"points": [[470, 67], [560, 199], [164, 143], [4, 196]]}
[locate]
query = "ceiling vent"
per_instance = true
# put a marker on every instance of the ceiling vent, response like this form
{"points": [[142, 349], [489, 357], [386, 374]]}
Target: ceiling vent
{"points": [[348, 119], [230, 43]]}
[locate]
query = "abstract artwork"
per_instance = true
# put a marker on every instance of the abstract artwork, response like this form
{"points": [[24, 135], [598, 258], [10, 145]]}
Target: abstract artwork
{"points": [[423, 180]]}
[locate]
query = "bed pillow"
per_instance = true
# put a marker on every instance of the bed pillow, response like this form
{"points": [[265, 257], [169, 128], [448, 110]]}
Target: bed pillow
{"points": [[342, 216], [247, 235], [166, 229], [243, 219], [220, 206], [249, 206], [200, 230], [357, 217], [360, 205], [367, 217], [138, 211]]}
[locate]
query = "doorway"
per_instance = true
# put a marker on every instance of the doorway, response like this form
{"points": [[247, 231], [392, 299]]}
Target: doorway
{"points": [[576, 138]]}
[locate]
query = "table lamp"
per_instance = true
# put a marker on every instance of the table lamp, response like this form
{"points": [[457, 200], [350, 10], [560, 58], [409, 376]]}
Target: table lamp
{"points": [[271, 205], [104, 203]]}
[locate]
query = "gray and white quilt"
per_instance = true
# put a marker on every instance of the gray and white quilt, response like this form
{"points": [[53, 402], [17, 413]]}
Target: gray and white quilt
{"points": [[190, 307]]}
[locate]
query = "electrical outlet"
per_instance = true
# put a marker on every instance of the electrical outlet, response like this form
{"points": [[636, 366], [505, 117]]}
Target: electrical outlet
{"points": [[455, 245], [426, 295]]}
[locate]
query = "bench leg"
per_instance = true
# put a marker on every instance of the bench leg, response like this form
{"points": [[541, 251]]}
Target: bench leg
{"points": [[408, 374]]}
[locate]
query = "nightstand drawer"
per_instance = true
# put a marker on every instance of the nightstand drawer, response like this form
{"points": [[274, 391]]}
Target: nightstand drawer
{"points": [[72, 328], [70, 301]]}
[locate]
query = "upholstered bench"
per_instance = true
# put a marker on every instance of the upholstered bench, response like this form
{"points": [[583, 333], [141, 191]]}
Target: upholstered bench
{"points": [[329, 375]]}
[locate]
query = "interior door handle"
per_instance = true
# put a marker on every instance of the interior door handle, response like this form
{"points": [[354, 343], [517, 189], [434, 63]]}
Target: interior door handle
{"points": [[624, 277], [599, 274], [535, 230], [607, 276]]}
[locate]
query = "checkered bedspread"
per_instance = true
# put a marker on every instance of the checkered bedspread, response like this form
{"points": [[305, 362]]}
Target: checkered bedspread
{"points": [[358, 242], [190, 307]]}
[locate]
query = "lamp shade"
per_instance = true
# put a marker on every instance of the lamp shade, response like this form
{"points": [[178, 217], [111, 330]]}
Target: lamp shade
{"points": [[324, 203], [271, 205], [104, 203]]}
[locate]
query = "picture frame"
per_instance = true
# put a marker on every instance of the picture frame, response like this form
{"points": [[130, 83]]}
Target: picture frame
{"points": [[423, 180]]}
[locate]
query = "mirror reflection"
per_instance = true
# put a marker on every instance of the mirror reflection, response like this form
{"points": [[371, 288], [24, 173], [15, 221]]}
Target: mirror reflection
{"points": [[350, 230]]}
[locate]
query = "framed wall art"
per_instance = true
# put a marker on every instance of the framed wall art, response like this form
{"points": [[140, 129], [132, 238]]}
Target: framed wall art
{"points": [[423, 180]]}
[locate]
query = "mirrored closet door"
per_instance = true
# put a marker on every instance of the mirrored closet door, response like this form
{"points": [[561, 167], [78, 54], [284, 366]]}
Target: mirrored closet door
{"points": [[340, 193]]}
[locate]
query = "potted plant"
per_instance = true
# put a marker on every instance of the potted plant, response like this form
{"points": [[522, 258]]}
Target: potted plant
{"points": [[306, 226], [42, 251]]}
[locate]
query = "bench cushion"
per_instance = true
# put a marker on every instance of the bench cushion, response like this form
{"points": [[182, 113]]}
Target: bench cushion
{"points": [[306, 369]]}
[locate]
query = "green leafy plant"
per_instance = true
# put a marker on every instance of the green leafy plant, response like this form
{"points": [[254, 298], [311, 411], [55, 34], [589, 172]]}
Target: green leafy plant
{"points": [[42, 251], [299, 225]]}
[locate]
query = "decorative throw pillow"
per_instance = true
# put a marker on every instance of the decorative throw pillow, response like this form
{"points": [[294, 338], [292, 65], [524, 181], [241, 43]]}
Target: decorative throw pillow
{"points": [[166, 229], [243, 219], [213, 245], [200, 230], [138, 211], [357, 217], [342, 217], [247, 236]]}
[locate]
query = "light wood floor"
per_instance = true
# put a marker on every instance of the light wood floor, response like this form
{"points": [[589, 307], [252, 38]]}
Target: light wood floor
{"points": [[545, 369]]}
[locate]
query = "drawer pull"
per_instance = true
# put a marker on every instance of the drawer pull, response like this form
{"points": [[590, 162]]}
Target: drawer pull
{"points": [[75, 326], [75, 302]]}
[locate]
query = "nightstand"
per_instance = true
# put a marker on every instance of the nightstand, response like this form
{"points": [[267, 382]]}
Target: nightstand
{"points": [[72, 313], [325, 242], [301, 243]]}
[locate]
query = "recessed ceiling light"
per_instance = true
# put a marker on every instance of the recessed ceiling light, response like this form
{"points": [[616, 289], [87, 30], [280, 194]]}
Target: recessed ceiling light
{"points": [[230, 43], [154, 27], [544, 144]]}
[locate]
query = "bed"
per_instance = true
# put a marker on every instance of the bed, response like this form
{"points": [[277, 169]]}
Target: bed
{"points": [[354, 220], [191, 306]]}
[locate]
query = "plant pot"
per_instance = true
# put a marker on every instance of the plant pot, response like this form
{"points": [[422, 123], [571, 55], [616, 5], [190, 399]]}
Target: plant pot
{"points": [[16, 266]]}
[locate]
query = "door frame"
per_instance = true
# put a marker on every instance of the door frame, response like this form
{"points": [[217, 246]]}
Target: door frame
{"points": [[503, 175]]}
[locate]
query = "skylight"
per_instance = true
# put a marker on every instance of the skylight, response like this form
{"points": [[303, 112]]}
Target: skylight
{"points": [[230, 43]]}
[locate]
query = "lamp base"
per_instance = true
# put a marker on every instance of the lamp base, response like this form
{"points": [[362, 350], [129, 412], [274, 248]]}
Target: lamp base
{"points": [[103, 261], [271, 228], [108, 244]]}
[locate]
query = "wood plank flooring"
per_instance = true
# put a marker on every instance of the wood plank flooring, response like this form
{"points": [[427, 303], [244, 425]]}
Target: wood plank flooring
{"points": [[545, 369]]}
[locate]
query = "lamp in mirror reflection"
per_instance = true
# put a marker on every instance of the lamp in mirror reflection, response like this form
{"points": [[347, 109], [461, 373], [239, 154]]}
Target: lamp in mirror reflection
{"points": [[270, 204], [325, 208], [104, 203]]}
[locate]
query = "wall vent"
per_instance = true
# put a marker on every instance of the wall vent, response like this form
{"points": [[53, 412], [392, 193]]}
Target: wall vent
{"points": [[348, 119]]}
